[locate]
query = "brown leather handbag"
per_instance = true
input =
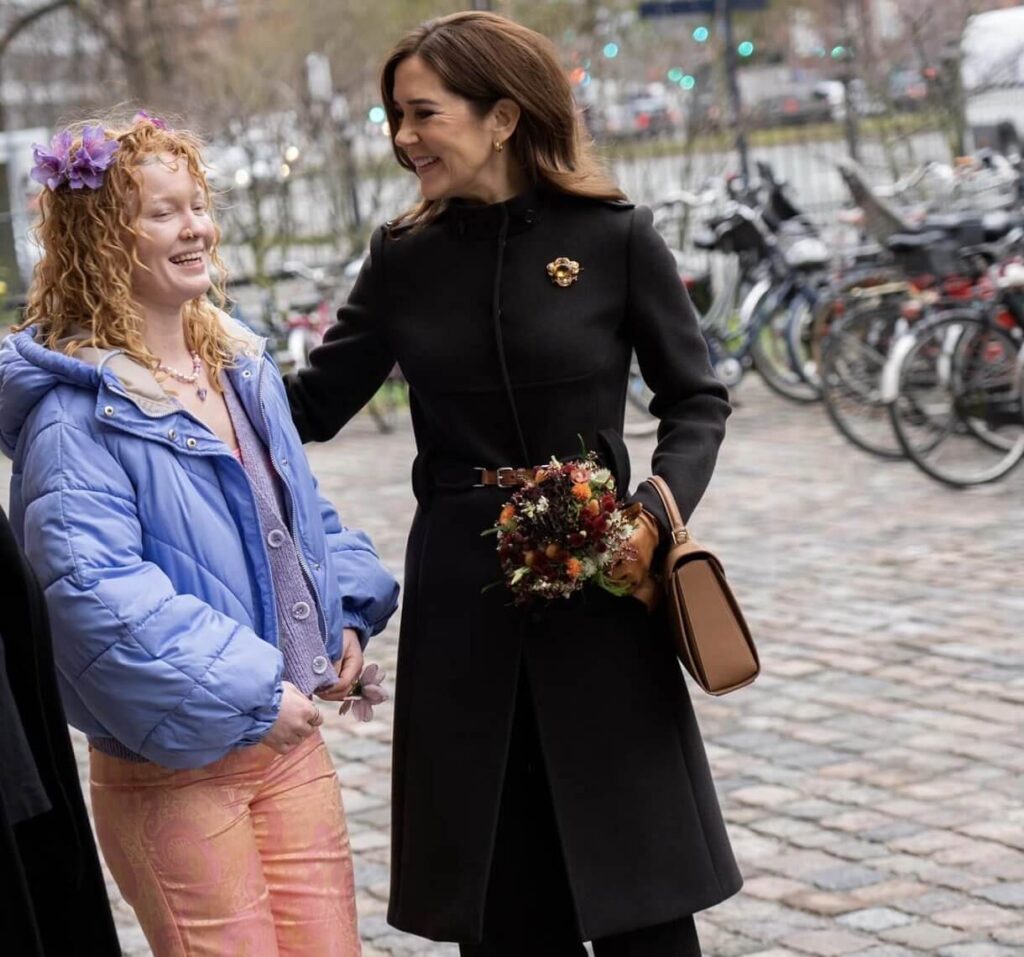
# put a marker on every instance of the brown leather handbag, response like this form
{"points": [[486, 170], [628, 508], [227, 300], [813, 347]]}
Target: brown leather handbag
{"points": [[711, 636]]}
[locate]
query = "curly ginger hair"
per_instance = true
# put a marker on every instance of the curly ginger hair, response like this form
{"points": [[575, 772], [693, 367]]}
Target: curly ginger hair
{"points": [[83, 283]]}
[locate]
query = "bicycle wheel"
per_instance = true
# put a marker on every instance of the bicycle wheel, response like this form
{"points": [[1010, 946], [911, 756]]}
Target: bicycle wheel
{"points": [[771, 355], [958, 413], [852, 360], [804, 351]]}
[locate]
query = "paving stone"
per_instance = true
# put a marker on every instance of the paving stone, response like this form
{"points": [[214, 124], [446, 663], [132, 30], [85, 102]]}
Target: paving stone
{"points": [[772, 888], [976, 917], [827, 943], [890, 892], [846, 878], [874, 919], [923, 935], [978, 950], [887, 950], [1012, 936], [932, 902], [821, 902]]}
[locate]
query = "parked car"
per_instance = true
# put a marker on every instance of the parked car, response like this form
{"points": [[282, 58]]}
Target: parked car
{"points": [[791, 109], [638, 115], [908, 89]]}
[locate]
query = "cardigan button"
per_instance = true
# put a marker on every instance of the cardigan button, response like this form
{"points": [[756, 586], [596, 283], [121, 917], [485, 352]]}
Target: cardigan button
{"points": [[191, 443], [108, 410], [276, 538], [300, 610], [319, 664]]}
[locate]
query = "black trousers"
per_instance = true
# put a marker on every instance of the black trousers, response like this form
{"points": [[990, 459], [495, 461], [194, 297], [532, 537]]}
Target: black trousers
{"points": [[529, 909]]}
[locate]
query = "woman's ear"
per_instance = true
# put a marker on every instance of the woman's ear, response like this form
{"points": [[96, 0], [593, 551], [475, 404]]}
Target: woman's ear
{"points": [[504, 118]]}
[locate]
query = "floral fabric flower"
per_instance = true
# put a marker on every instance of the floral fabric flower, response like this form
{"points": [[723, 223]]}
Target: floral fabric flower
{"points": [[52, 164], [82, 169], [92, 159], [367, 693], [143, 117]]}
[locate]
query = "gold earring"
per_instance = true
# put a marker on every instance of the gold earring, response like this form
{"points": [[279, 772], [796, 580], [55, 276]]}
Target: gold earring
{"points": [[498, 146]]}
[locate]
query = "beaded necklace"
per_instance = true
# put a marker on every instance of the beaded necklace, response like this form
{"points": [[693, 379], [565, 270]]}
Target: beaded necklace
{"points": [[191, 378]]}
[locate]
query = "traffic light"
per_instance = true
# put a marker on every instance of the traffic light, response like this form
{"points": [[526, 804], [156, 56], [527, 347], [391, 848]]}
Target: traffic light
{"points": [[675, 74], [745, 49], [701, 34], [611, 50]]}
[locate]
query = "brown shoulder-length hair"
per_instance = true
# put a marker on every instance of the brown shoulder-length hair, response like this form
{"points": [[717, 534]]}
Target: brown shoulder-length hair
{"points": [[83, 283], [484, 57]]}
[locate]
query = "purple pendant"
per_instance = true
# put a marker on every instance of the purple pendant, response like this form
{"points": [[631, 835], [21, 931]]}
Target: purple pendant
{"points": [[202, 394]]}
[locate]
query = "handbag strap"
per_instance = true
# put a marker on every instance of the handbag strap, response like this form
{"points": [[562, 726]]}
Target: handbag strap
{"points": [[680, 534]]}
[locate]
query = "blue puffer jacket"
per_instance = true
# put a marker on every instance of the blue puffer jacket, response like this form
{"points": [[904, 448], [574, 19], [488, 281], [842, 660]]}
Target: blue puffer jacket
{"points": [[143, 529]]}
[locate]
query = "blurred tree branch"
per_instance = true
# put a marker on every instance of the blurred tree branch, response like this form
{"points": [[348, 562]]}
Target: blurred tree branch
{"points": [[28, 18]]}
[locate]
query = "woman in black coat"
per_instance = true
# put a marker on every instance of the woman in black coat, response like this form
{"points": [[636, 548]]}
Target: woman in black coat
{"points": [[550, 783], [53, 902]]}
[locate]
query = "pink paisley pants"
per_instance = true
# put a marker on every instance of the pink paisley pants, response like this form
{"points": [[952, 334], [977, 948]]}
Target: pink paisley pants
{"points": [[247, 857]]}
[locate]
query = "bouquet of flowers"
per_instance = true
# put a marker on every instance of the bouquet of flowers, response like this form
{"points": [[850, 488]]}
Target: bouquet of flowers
{"points": [[564, 529]]}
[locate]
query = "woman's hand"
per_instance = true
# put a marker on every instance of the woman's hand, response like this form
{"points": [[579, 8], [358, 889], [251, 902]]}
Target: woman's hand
{"points": [[636, 570], [296, 720], [349, 668]]}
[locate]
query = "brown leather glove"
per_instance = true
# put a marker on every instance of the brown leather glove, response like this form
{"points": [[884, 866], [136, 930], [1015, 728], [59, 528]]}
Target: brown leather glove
{"points": [[637, 571]]}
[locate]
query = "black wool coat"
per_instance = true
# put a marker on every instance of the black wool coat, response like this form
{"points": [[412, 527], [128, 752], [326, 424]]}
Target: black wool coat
{"points": [[506, 367], [53, 902]]}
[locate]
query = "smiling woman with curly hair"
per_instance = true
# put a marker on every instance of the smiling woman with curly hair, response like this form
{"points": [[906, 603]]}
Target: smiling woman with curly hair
{"points": [[85, 279], [201, 590]]}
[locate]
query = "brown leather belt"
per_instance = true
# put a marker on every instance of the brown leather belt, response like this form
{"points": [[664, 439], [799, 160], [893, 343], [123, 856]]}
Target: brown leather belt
{"points": [[505, 477]]}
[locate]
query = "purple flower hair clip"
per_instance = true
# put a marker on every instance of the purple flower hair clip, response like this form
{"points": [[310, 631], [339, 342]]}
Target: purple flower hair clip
{"points": [[52, 164], [80, 170], [143, 117], [365, 694]]}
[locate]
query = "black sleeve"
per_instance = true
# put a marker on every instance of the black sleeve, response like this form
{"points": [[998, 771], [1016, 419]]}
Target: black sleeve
{"points": [[348, 368], [690, 402]]}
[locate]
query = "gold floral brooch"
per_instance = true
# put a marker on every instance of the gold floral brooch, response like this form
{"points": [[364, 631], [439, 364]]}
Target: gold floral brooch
{"points": [[564, 271]]}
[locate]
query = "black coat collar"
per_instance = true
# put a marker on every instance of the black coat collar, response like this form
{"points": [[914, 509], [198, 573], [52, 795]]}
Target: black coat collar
{"points": [[478, 220]]}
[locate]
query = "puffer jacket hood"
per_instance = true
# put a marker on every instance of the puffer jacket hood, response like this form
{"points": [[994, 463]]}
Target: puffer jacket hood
{"points": [[28, 371], [145, 533]]}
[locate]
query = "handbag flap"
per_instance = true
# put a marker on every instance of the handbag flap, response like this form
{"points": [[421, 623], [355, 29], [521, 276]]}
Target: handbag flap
{"points": [[729, 660]]}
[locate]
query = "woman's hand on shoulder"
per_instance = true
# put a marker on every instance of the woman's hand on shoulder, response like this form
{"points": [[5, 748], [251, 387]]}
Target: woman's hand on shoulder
{"points": [[296, 720]]}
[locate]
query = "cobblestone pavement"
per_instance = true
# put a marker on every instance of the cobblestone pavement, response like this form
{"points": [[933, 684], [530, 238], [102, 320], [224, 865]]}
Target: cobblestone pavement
{"points": [[873, 778]]}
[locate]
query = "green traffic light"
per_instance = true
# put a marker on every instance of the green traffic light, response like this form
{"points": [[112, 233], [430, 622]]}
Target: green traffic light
{"points": [[838, 52], [746, 48], [701, 34], [675, 74], [611, 50], [688, 82]]}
